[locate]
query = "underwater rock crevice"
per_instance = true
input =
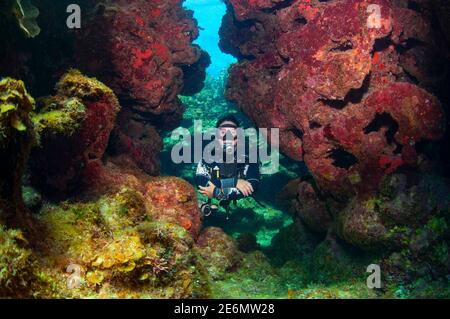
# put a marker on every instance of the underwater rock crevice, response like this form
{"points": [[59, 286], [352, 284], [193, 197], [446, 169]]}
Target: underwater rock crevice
{"points": [[386, 122], [342, 158]]}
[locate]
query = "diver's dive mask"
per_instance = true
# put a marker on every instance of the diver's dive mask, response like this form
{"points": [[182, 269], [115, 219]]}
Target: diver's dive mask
{"points": [[228, 134]]}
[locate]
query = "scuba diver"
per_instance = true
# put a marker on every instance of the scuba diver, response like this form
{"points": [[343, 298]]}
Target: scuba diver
{"points": [[227, 180]]}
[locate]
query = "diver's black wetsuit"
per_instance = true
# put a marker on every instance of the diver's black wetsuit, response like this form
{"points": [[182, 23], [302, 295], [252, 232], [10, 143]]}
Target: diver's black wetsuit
{"points": [[225, 175]]}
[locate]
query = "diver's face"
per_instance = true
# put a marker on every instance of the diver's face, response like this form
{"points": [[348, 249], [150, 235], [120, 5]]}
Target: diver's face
{"points": [[227, 134]]}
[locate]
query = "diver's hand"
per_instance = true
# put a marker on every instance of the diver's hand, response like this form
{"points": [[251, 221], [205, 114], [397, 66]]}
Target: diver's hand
{"points": [[244, 187], [207, 190]]}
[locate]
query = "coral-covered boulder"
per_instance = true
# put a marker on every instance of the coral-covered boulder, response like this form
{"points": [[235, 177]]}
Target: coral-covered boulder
{"points": [[168, 199], [112, 247], [114, 175], [395, 211], [316, 88], [219, 250], [139, 48], [143, 50], [74, 127], [174, 200]]}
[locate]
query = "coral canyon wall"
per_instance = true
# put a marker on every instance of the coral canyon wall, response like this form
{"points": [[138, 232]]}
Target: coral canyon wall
{"points": [[90, 145], [143, 50], [139, 48], [353, 86]]}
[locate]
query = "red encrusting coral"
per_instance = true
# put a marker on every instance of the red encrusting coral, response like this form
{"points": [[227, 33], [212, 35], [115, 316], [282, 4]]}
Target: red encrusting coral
{"points": [[174, 200], [168, 199], [139, 48], [143, 50], [329, 75], [349, 85], [135, 141]]}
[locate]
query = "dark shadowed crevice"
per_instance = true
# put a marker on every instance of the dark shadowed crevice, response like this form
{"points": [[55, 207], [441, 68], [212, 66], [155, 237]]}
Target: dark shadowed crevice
{"points": [[297, 132], [342, 47], [383, 120], [314, 125], [411, 78], [335, 104], [300, 21], [342, 158], [382, 44], [278, 6], [354, 96], [413, 5], [428, 148], [409, 44], [398, 149]]}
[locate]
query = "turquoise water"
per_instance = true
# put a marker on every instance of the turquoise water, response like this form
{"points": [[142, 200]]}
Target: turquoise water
{"points": [[209, 105], [209, 15]]}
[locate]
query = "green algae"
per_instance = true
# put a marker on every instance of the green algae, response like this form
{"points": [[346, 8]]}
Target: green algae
{"points": [[15, 106], [257, 278], [20, 275], [60, 117], [121, 253], [26, 14]]}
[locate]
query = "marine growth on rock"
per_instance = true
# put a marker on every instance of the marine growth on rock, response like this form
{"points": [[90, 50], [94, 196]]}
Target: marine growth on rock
{"points": [[93, 206]]}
